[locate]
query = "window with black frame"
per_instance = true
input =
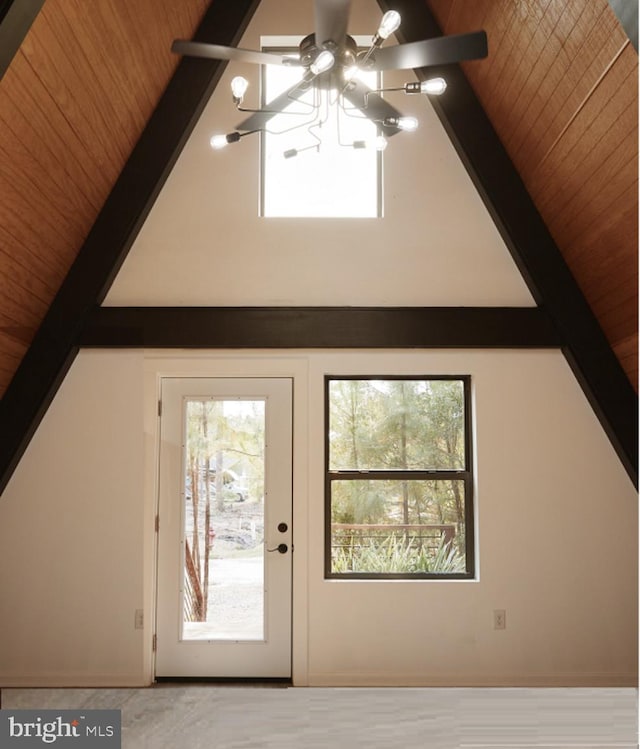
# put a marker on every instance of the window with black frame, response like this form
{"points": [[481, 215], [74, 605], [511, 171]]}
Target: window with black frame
{"points": [[399, 485]]}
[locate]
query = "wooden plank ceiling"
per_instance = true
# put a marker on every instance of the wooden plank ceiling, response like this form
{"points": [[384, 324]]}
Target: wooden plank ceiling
{"points": [[560, 87], [561, 90], [73, 103]]}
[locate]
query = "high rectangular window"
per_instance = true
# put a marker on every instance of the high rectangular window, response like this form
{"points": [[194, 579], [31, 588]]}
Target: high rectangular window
{"points": [[327, 177], [398, 477]]}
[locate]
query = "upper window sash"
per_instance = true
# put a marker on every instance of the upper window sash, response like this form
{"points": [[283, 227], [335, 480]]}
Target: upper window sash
{"points": [[365, 412]]}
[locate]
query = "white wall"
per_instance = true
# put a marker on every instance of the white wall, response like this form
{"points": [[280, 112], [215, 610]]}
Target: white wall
{"points": [[557, 547], [556, 524], [71, 535]]}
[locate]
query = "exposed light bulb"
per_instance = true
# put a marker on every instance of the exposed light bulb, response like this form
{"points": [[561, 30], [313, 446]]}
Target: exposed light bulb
{"points": [[434, 86], [407, 123], [402, 123], [390, 23], [220, 141], [239, 86], [323, 62]]}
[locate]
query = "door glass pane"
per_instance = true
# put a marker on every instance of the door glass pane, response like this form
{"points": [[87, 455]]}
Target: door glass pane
{"points": [[223, 576]]}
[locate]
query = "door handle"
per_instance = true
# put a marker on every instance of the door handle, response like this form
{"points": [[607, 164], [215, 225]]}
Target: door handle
{"points": [[282, 548]]}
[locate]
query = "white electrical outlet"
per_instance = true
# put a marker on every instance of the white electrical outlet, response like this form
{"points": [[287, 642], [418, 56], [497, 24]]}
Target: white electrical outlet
{"points": [[499, 619], [139, 619]]}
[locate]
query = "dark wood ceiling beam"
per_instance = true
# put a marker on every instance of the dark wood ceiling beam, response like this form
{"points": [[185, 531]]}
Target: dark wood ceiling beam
{"points": [[55, 344], [320, 327], [16, 17], [548, 277]]}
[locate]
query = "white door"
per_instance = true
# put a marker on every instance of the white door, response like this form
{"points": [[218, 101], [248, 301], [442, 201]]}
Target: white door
{"points": [[224, 528]]}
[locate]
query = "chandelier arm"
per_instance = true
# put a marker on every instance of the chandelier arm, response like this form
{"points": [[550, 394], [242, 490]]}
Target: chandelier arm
{"points": [[307, 124], [372, 106], [315, 109], [346, 113], [291, 152], [259, 118], [266, 110], [314, 136]]}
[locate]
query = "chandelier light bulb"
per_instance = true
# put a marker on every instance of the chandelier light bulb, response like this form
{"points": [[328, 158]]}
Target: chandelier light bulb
{"points": [[220, 141], [390, 23], [407, 123], [323, 62], [239, 86], [402, 123], [434, 86]]}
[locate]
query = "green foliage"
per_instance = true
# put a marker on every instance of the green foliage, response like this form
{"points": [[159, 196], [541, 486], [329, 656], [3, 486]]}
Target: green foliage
{"points": [[231, 439], [396, 424], [358, 502], [393, 425], [397, 554]]}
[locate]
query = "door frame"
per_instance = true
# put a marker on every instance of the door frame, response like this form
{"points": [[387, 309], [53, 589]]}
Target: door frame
{"points": [[266, 656], [159, 364]]}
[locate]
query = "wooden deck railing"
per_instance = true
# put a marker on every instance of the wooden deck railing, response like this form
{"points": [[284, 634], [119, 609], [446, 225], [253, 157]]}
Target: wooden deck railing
{"points": [[346, 534]]}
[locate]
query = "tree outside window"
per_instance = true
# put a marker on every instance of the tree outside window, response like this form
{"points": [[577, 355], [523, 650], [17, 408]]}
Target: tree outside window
{"points": [[398, 479]]}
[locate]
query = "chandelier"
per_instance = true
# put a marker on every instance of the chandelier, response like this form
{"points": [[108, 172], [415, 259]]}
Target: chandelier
{"points": [[331, 69]]}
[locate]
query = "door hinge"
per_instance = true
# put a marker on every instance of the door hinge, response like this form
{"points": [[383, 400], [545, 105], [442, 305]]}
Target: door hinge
{"points": [[159, 408], [157, 523], [154, 643]]}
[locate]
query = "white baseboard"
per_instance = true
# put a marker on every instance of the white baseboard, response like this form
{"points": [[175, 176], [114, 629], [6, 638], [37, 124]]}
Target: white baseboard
{"points": [[346, 679], [392, 679], [67, 680]]}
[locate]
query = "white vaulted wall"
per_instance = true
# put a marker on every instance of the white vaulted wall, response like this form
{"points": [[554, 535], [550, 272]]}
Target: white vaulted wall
{"points": [[71, 534]]}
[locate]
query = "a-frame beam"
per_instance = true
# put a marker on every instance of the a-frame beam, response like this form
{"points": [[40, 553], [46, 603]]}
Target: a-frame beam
{"points": [[55, 344], [320, 327], [16, 17], [549, 279]]}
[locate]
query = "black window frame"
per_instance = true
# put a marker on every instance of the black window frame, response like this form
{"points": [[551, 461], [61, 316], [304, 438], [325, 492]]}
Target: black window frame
{"points": [[466, 475]]}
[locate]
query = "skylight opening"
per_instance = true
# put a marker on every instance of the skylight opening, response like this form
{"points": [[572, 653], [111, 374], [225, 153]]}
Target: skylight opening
{"points": [[318, 159]]}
